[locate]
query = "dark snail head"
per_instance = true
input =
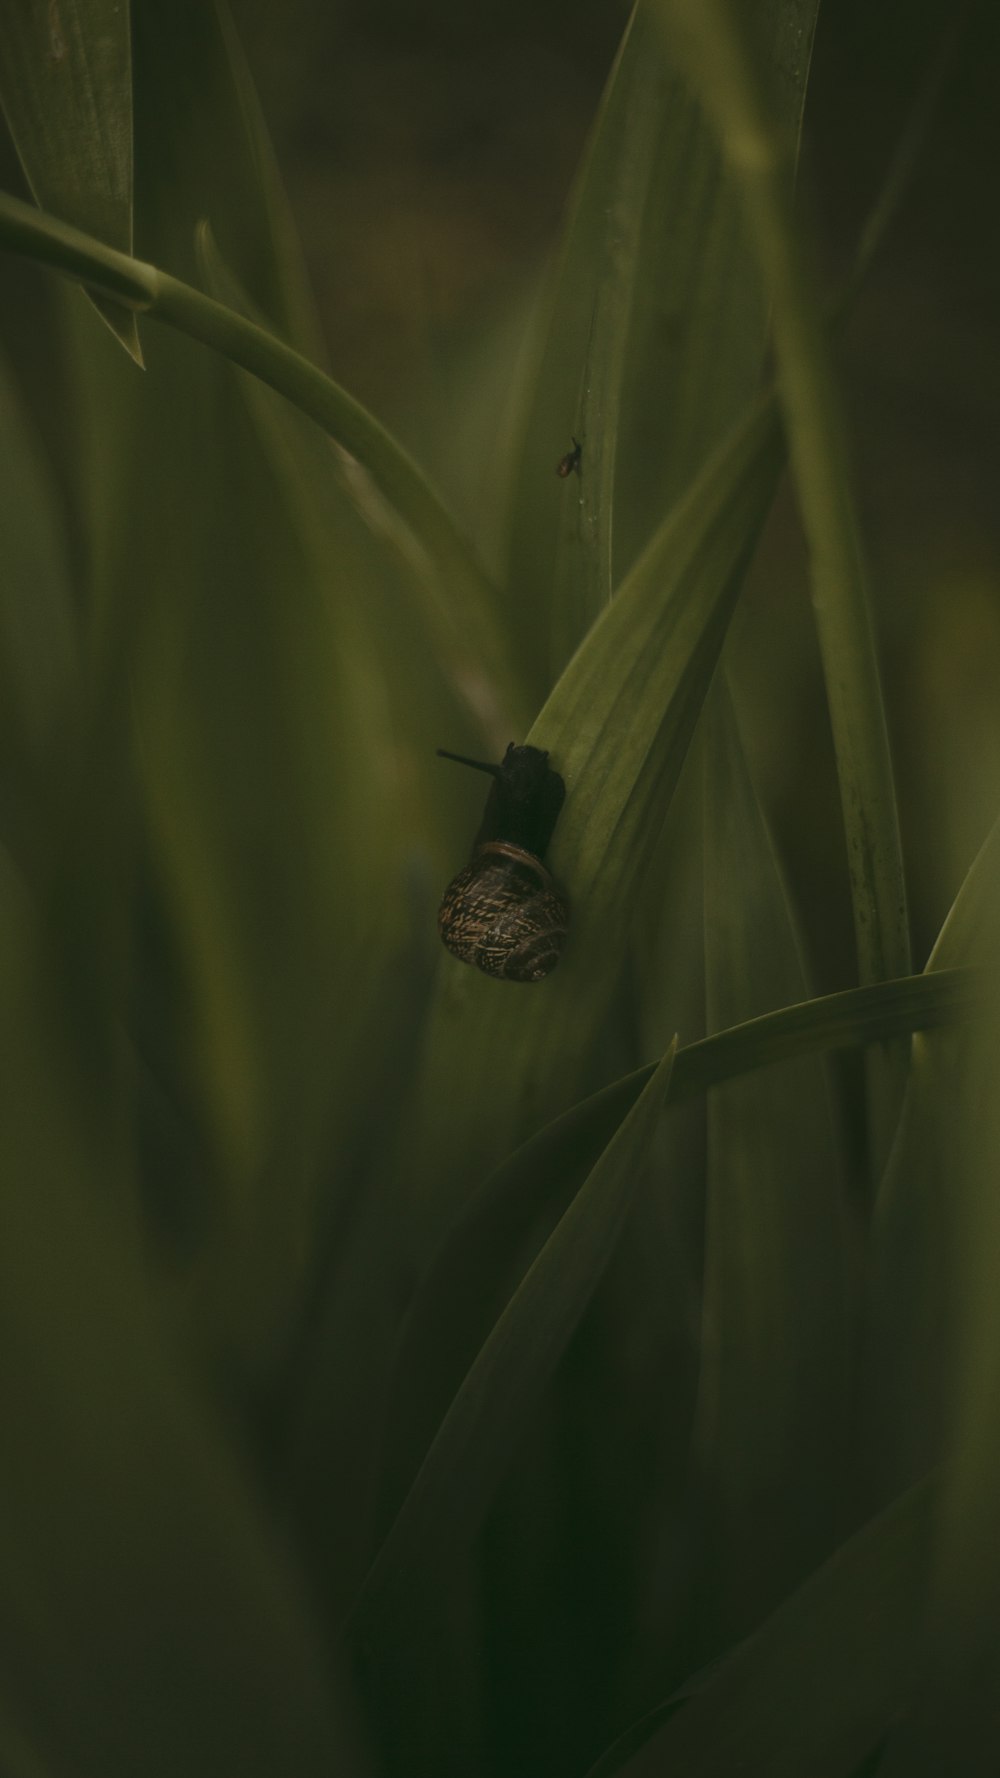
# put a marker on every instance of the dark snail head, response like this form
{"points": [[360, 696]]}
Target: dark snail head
{"points": [[503, 913]]}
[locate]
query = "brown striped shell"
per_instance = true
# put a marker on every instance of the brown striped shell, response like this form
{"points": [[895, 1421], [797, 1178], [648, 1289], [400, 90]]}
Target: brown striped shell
{"points": [[504, 915]]}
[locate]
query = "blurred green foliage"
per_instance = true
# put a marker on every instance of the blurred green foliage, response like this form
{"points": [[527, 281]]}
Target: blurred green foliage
{"points": [[405, 1372]]}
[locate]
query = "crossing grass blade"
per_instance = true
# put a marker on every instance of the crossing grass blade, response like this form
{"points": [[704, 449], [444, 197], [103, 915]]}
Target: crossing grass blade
{"points": [[66, 91], [410, 649], [390, 490]]}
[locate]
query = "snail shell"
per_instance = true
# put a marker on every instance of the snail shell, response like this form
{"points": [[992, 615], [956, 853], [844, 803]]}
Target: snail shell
{"points": [[504, 914]]}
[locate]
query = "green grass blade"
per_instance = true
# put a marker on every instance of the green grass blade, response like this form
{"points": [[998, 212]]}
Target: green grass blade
{"points": [[836, 1021], [445, 1506], [771, 1433], [395, 482], [439, 638], [396, 478], [724, 72], [816, 1686], [66, 91]]}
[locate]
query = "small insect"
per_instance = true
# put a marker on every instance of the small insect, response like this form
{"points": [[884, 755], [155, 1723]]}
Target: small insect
{"points": [[503, 913], [571, 461]]}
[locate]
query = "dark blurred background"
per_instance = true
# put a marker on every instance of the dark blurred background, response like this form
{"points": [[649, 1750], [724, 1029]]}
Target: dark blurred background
{"points": [[428, 156]]}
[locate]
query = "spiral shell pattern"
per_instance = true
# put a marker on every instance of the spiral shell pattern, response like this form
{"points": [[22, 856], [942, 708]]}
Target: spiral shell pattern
{"points": [[504, 915]]}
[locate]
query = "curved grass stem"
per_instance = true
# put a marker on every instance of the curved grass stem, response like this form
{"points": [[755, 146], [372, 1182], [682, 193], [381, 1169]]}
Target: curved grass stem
{"points": [[485, 676]]}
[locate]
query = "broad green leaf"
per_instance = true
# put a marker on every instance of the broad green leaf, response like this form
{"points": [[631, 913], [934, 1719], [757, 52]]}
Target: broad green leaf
{"points": [[66, 90], [617, 726], [445, 1506], [152, 1619], [814, 1688], [772, 1423]]}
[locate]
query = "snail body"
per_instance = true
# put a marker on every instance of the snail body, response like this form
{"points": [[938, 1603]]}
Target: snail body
{"points": [[503, 913], [571, 462]]}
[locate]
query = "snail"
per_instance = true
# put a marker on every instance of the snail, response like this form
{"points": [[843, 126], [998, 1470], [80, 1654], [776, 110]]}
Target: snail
{"points": [[503, 913], [566, 465]]}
